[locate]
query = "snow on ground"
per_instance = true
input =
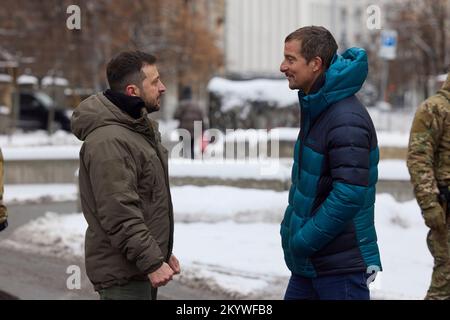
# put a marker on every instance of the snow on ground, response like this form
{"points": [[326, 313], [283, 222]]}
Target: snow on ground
{"points": [[406, 261], [219, 203], [60, 235], [241, 258], [227, 239], [230, 169], [17, 193]]}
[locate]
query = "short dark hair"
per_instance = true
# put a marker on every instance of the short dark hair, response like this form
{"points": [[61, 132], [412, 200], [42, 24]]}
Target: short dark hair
{"points": [[315, 42], [126, 68]]}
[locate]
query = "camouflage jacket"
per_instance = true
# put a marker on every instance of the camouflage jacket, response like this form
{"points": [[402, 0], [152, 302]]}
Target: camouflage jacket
{"points": [[429, 147], [3, 213]]}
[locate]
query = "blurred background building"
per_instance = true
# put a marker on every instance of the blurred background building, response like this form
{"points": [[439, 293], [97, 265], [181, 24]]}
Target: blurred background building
{"points": [[256, 29], [197, 40]]}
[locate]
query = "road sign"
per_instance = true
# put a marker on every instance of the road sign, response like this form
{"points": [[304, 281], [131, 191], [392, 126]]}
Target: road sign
{"points": [[388, 45]]}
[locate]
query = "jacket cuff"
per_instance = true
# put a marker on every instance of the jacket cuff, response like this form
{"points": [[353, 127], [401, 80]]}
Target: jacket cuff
{"points": [[154, 267]]}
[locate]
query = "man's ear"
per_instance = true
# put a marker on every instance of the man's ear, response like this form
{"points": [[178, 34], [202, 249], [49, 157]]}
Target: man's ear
{"points": [[317, 64], [132, 90]]}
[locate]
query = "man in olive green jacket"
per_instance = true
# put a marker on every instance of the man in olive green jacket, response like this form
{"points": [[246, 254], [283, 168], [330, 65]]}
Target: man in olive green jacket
{"points": [[429, 166], [3, 212], [124, 184]]}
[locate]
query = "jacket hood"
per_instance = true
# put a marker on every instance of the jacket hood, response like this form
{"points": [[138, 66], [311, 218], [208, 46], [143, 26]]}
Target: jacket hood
{"points": [[97, 111], [344, 78]]}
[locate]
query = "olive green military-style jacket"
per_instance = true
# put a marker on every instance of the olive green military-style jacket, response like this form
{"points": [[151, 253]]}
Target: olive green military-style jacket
{"points": [[429, 148]]}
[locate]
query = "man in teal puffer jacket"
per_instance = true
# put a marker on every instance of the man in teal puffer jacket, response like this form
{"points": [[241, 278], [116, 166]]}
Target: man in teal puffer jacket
{"points": [[328, 232]]}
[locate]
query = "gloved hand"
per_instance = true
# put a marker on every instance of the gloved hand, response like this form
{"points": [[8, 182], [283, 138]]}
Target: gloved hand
{"points": [[435, 217]]}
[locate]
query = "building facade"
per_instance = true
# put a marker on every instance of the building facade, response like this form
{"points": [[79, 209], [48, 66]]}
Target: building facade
{"points": [[255, 29]]}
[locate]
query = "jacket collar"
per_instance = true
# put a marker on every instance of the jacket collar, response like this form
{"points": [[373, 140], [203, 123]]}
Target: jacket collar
{"points": [[143, 124], [130, 105]]}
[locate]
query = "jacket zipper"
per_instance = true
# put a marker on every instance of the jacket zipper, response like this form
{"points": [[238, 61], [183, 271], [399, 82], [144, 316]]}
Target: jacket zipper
{"points": [[166, 177]]}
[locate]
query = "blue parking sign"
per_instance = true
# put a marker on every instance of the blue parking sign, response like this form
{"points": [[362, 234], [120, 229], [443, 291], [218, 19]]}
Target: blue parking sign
{"points": [[388, 45]]}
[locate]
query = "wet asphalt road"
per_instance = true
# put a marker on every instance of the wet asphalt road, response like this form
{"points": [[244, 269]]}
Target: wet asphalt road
{"points": [[32, 276]]}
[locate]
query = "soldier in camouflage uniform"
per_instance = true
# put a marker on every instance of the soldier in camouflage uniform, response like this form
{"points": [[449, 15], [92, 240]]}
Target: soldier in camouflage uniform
{"points": [[429, 166], [3, 213]]}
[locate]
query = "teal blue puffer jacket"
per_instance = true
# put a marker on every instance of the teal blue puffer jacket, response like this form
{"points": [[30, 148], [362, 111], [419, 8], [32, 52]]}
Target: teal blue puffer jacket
{"points": [[328, 226]]}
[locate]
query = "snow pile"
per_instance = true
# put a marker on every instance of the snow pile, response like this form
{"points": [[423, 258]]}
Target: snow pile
{"points": [[4, 110], [385, 138], [42, 153], [26, 79], [5, 77], [39, 138], [53, 234], [236, 94], [19, 193], [56, 81], [230, 169]]}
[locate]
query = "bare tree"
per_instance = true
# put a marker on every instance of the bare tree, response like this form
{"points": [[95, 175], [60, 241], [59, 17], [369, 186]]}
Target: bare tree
{"points": [[167, 28], [424, 38]]}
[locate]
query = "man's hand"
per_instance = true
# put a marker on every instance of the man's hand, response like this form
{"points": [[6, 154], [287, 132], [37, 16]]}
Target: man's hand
{"points": [[161, 276], [435, 218], [174, 264]]}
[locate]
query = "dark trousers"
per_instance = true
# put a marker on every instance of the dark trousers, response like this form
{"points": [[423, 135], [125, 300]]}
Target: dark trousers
{"points": [[351, 286], [133, 290]]}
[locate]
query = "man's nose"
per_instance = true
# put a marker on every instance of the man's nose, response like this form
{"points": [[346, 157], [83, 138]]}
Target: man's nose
{"points": [[283, 67], [162, 88]]}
